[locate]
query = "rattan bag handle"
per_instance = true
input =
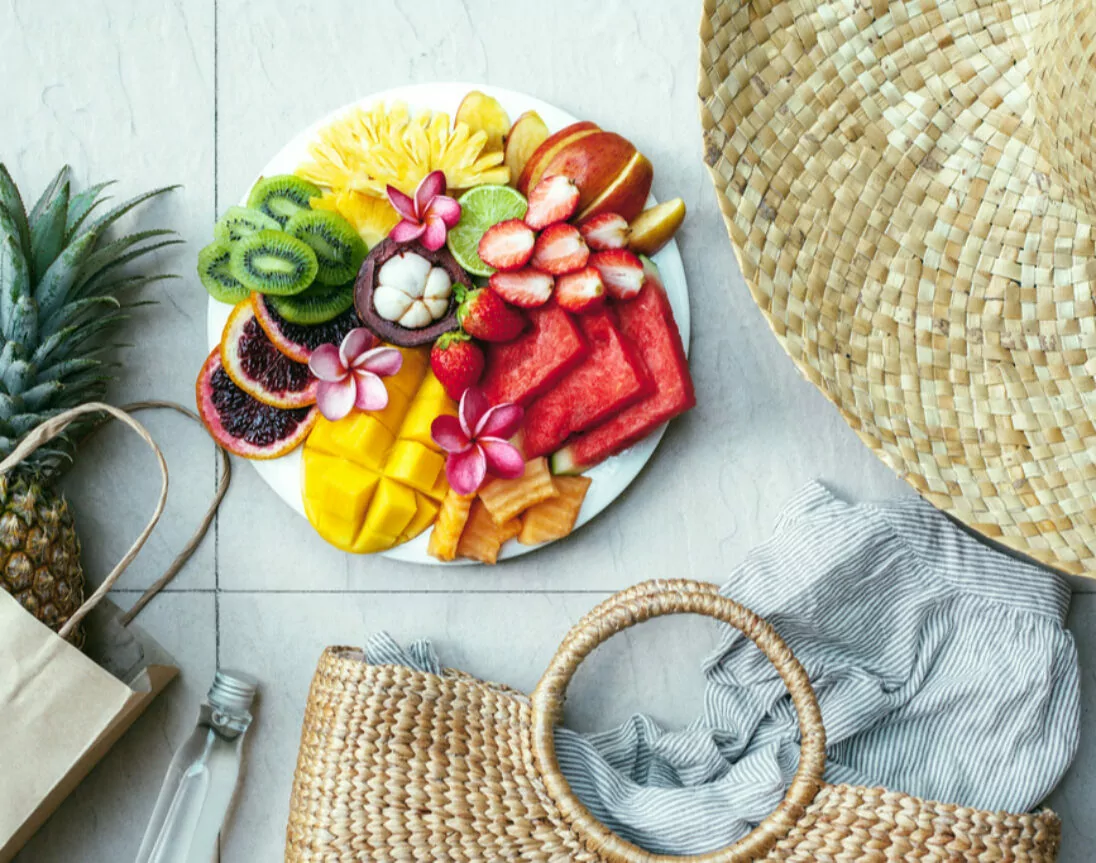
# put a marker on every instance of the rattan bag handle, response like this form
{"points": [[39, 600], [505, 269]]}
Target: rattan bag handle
{"points": [[636, 605]]}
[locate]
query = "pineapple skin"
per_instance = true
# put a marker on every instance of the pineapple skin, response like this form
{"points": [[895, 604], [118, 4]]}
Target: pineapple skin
{"points": [[66, 283], [39, 552]]}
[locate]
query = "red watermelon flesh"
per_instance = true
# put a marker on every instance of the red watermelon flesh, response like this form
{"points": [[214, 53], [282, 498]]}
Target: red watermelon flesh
{"points": [[521, 370], [610, 378], [648, 322]]}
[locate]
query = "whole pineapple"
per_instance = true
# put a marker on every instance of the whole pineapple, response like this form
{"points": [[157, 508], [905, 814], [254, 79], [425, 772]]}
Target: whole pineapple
{"points": [[63, 284]]}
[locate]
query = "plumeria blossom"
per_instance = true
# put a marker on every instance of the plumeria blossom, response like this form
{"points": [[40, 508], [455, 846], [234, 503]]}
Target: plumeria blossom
{"points": [[429, 215], [349, 376], [477, 442]]}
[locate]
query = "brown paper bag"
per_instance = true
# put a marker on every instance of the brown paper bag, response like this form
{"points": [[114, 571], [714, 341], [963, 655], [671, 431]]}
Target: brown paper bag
{"points": [[60, 710]]}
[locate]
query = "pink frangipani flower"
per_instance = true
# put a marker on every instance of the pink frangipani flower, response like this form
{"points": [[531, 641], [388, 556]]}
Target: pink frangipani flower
{"points": [[477, 442], [350, 375], [430, 214]]}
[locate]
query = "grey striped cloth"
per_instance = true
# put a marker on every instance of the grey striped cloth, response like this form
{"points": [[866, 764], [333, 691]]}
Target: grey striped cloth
{"points": [[942, 667]]}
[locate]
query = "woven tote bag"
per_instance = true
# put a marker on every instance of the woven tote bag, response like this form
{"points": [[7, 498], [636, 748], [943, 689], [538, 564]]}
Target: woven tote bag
{"points": [[397, 764]]}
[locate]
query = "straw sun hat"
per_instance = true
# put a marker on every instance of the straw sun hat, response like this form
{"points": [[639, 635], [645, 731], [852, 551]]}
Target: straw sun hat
{"points": [[910, 192]]}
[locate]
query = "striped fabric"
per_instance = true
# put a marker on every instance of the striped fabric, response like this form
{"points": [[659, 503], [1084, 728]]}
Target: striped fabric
{"points": [[942, 667]]}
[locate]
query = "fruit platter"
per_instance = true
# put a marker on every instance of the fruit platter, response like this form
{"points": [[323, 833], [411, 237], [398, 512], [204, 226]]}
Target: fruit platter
{"points": [[447, 324]]}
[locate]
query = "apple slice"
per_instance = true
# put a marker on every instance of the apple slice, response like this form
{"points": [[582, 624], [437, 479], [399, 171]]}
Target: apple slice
{"points": [[593, 161], [527, 133], [627, 193], [481, 112], [655, 227], [534, 168]]}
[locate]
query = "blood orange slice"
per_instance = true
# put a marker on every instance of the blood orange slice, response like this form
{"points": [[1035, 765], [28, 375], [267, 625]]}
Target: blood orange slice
{"points": [[259, 368], [298, 341], [244, 425]]}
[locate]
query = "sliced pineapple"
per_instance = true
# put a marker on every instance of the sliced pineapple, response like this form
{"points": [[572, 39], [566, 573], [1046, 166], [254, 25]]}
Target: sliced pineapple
{"points": [[371, 216], [364, 151], [483, 113]]}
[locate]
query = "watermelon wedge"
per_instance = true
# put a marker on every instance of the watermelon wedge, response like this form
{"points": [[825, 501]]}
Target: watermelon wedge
{"points": [[521, 370], [610, 378], [648, 322]]}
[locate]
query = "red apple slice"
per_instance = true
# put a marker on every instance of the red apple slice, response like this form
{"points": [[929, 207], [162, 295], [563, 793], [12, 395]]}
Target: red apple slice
{"points": [[534, 168], [593, 161], [627, 194]]}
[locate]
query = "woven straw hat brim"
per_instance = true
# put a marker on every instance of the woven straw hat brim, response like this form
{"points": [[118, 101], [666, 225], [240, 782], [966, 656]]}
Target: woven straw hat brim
{"points": [[881, 171]]}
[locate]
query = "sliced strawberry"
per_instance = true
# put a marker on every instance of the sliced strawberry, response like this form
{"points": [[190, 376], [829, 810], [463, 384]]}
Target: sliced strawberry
{"points": [[621, 271], [605, 231], [553, 199], [527, 288], [580, 291], [560, 249], [507, 245]]}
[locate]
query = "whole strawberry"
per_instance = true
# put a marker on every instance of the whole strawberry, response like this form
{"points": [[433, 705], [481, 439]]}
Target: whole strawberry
{"points": [[457, 362], [483, 314]]}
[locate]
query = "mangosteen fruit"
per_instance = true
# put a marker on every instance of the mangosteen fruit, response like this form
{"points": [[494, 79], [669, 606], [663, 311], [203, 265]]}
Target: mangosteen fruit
{"points": [[406, 293]]}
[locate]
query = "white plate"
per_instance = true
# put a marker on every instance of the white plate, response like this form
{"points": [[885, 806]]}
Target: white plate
{"points": [[611, 477]]}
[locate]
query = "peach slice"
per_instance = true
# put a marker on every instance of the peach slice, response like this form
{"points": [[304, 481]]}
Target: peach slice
{"points": [[542, 155], [593, 161], [482, 112], [655, 227], [528, 132], [627, 194]]}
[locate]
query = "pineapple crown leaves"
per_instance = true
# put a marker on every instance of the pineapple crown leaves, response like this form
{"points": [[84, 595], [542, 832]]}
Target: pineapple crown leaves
{"points": [[63, 288]]}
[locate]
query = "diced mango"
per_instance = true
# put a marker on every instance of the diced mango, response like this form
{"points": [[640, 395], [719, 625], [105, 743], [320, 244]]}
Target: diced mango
{"points": [[412, 463], [408, 379], [370, 541], [375, 479], [392, 416], [392, 508], [424, 517], [359, 438], [430, 402]]}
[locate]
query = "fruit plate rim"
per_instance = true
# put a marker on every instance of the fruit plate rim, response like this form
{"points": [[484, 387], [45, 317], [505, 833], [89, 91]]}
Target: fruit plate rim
{"points": [[611, 477]]}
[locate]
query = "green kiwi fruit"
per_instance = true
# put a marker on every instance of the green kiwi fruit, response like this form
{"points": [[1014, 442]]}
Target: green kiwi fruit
{"points": [[272, 262], [339, 250], [240, 222], [282, 197], [318, 305], [216, 274]]}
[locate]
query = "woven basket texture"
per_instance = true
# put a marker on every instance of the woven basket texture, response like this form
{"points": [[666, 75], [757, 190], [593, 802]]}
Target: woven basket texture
{"points": [[909, 191], [396, 764]]}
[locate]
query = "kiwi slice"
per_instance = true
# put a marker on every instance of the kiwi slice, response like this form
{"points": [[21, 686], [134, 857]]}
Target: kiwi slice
{"points": [[216, 274], [282, 197], [339, 250], [272, 262], [318, 305], [240, 222]]}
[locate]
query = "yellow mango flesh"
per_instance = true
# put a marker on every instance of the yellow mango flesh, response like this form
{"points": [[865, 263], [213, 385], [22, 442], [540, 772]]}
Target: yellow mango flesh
{"points": [[374, 479]]}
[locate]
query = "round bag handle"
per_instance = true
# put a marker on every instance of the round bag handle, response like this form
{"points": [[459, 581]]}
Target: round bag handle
{"points": [[636, 605]]}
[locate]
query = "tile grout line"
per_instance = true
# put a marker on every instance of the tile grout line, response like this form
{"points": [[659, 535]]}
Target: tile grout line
{"points": [[216, 461], [219, 591]]}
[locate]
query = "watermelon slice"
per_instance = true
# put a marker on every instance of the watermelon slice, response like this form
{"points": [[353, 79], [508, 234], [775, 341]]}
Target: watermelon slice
{"points": [[521, 370], [648, 322], [610, 378]]}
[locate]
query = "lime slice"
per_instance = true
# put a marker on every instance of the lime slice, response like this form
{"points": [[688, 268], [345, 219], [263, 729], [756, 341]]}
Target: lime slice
{"points": [[480, 208]]}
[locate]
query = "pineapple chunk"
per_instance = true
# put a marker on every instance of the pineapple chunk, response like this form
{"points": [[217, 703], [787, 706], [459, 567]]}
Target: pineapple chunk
{"points": [[484, 113], [482, 537], [555, 518], [506, 498], [450, 523]]}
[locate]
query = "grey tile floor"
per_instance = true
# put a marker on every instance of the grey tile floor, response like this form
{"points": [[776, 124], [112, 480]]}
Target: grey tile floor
{"points": [[202, 93]]}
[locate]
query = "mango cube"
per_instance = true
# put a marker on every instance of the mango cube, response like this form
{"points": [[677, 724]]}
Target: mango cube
{"points": [[427, 513], [412, 463], [430, 402]]}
